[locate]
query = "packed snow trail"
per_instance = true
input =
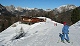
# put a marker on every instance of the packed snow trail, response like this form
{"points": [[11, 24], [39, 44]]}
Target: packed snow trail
{"points": [[39, 34]]}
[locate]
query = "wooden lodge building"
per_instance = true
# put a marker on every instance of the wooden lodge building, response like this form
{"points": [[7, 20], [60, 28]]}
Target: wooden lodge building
{"points": [[31, 20]]}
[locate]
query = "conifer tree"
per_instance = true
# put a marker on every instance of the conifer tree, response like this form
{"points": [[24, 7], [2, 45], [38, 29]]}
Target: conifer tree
{"points": [[75, 16]]}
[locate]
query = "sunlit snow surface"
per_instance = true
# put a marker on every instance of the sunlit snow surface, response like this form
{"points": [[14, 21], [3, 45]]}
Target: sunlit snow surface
{"points": [[39, 34]]}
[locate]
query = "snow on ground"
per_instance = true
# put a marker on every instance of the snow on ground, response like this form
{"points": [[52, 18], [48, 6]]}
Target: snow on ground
{"points": [[38, 34]]}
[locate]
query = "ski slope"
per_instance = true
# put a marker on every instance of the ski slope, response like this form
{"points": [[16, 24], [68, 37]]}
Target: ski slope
{"points": [[39, 34]]}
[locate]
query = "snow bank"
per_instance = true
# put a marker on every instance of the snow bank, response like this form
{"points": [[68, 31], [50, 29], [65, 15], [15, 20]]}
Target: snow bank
{"points": [[77, 24]]}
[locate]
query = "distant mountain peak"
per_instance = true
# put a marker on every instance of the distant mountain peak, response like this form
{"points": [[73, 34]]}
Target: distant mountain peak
{"points": [[2, 7], [65, 8]]}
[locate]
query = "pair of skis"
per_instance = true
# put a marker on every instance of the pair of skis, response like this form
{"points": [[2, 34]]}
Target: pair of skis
{"points": [[60, 35]]}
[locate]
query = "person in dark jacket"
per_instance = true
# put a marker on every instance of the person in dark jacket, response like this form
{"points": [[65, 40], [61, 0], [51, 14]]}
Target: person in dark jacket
{"points": [[65, 32]]}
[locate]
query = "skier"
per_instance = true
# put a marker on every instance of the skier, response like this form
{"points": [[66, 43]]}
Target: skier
{"points": [[65, 33]]}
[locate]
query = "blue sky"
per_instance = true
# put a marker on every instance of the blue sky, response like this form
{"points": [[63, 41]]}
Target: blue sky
{"points": [[44, 4]]}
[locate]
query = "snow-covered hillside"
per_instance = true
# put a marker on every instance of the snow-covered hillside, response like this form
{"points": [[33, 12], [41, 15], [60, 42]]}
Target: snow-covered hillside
{"points": [[38, 34]]}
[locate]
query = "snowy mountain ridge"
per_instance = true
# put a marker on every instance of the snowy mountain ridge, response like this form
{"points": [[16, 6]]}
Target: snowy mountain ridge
{"points": [[59, 9], [68, 6], [65, 8], [38, 34]]}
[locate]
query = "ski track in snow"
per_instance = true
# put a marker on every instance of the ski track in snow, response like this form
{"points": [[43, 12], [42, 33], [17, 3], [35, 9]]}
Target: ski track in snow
{"points": [[39, 34]]}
